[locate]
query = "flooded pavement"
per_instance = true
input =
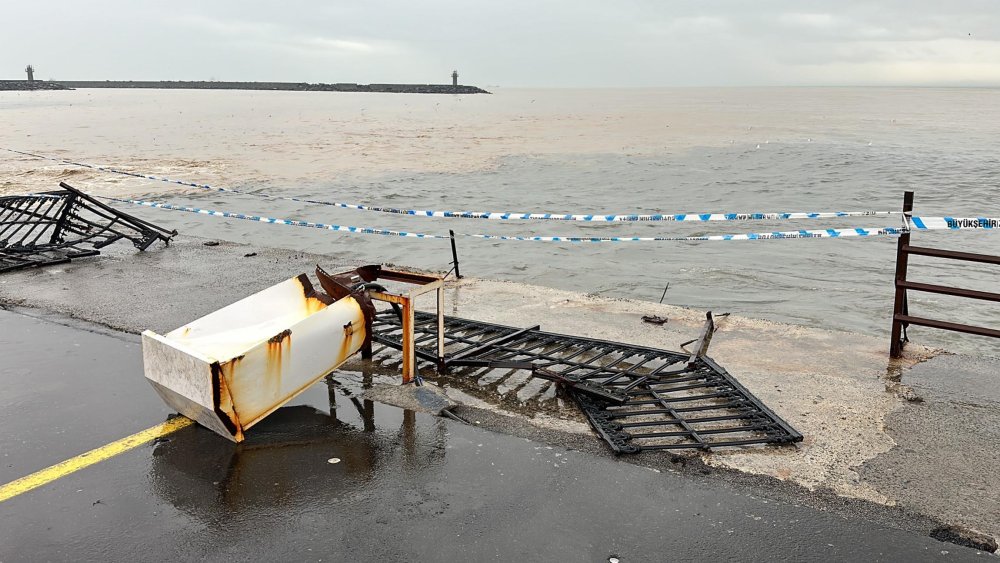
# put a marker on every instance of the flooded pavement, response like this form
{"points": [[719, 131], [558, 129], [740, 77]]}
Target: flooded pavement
{"points": [[950, 426], [837, 388], [333, 476], [829, 385]]}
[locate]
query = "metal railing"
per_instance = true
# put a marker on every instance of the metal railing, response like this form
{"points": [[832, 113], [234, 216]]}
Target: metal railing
{"points": [[901, 317]]}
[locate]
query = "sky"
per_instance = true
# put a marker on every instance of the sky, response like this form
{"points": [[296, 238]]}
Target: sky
{"points": [[510, 43]]}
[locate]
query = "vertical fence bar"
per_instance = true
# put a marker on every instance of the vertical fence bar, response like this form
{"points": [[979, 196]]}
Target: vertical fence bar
{"points": [[899, 303], [454, 254], [440, 329]]}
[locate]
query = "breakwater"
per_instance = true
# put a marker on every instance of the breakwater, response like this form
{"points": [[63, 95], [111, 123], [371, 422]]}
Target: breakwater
{"points": [[25, 85], [284, 86]]}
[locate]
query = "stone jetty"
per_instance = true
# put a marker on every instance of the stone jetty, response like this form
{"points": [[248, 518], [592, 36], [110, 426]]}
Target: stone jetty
{"points": [[281, 86], [31, 85]]}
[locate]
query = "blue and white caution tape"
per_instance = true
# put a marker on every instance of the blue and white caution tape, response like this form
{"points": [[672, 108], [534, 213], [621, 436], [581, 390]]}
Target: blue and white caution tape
{"points": [[497, 215], [273, 220], [953, 223], [817, 233], [916, 223]]}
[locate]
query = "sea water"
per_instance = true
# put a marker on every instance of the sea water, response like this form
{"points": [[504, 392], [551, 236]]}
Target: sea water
{"points": [[566, 151]]}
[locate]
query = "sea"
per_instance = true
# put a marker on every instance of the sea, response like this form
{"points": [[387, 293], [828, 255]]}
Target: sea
{"points": [[577, 151]]}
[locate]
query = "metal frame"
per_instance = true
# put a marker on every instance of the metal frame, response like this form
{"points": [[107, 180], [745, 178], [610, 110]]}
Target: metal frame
{"points": [[620, 387], [700, 407], [407, 303], [901, 317], [55, 227]]}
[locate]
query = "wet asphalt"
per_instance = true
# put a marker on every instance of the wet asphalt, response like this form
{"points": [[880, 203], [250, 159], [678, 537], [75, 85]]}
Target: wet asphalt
{"points": [[951, 426], [406, 486]]}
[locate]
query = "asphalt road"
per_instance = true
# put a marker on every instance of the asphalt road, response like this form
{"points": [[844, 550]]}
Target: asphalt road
{"points": [[405, 486]]}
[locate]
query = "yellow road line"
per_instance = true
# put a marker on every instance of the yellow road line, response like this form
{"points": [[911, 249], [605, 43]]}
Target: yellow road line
{"points": [[73, 464]]}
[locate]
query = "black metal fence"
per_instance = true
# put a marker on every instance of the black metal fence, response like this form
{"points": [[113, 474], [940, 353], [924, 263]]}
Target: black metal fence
{"points": [[58, 226], [635, 397]]}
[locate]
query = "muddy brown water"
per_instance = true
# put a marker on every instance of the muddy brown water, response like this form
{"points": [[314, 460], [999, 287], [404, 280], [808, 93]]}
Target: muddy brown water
{"points": [[567, 151]]}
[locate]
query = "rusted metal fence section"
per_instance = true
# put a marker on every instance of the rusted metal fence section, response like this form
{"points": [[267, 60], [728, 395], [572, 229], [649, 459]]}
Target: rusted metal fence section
{"points": [[901, 317]]}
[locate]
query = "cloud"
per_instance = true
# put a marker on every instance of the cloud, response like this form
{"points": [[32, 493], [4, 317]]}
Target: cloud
{"points": [[225, 28], [515, 43], [816, 21], [941, 61], [253, 35], [339, 45], [688, 25]]}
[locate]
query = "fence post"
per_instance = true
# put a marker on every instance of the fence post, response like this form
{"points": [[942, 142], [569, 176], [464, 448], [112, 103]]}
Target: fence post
{"points": [[899, 303], [454, 254]]}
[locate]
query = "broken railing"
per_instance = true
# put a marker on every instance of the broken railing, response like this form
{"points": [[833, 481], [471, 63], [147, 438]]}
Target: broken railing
{"points": [[637, 398], [58, 226], [230, 369], [901, 317]]}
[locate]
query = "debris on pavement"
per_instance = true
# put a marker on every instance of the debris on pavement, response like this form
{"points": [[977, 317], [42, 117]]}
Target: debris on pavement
{"points": [[59, 226]]}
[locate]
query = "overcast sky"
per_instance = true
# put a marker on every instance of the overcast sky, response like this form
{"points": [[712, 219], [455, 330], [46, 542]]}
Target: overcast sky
{"points": [[515, 43]]}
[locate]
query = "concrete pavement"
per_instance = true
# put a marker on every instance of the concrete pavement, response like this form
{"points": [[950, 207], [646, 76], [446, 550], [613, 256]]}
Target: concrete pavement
{"points": [[329, 479], [837, 388]]}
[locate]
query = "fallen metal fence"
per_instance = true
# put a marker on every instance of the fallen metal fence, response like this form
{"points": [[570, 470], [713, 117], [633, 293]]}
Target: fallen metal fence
{"points": [[58, 226], [637, 398]]}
